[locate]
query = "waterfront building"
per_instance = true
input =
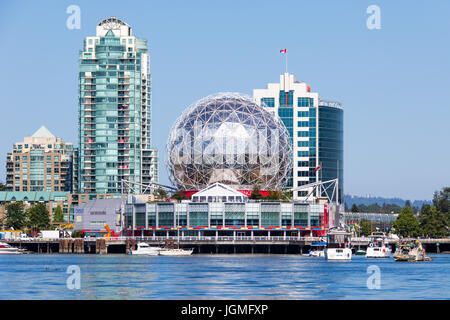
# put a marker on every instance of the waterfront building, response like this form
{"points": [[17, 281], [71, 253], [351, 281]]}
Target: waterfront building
{"points": [[383, 221], [199, 216], [93, 216], [315, 129], [67, 201], [115, 111], [42, 163]]}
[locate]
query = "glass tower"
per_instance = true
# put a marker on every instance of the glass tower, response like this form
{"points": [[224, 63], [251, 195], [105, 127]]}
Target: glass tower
{"points": [[115, 111], [315, 128], [331, 143]]}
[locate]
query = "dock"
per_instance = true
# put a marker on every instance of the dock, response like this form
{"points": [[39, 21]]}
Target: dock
{"points": [[201, 244]]}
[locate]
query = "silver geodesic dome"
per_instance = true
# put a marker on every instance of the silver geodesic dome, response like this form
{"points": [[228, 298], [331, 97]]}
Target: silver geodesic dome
{"points": [[228, 138]]}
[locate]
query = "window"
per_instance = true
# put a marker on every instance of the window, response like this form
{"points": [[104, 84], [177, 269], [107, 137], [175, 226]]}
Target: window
{"points": [[303, 123], [269, 102], [305, 102]]}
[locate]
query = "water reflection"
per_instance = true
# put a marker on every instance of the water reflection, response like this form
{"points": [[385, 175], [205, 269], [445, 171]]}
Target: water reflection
{"points": [[218, 277]]}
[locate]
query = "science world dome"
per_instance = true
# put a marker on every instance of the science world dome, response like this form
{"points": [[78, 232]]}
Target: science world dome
{"points": [[228, 138]]}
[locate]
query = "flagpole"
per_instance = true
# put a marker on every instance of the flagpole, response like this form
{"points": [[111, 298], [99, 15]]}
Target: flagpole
{"points": [[286, 62]]}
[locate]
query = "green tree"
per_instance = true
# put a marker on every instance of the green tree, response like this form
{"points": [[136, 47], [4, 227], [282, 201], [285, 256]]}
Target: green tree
{"points": [[38, 217], [433, 223], [179, 195], [274, 195], [2, 187], [355, 208], [406, 224], [15, 215], [255, 195], [58, 215], [365, 227], [441, 200], [160, 193]]}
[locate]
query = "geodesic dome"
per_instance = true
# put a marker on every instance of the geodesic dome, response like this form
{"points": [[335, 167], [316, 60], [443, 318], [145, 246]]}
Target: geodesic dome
{"points": [[228, 138]]}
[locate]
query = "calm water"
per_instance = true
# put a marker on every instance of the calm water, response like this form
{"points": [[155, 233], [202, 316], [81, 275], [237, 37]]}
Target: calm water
{"points": [[195, 277]]}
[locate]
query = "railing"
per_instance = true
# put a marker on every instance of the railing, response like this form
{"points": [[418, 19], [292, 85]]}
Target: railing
{"points": [[211, 238]]}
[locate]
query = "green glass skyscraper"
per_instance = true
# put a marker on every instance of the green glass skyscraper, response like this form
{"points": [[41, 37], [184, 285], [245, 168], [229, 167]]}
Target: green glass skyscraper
{"points": [[115, 111]]}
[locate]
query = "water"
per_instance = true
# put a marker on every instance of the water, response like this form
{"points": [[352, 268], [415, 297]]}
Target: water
{"points": [[43, 276]]}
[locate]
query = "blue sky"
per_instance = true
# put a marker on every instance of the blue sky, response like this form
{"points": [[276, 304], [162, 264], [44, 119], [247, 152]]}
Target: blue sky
{"points": [[392, 82]]}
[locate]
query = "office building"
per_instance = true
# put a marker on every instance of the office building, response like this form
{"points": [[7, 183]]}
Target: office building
{"points": [[315, 128]]}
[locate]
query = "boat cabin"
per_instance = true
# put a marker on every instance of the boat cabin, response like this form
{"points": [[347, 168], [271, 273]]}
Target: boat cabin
{"points": [[338, 239]]}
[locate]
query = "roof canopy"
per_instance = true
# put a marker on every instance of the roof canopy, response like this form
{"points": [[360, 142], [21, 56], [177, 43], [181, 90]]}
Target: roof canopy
{"points": [[218, 192], [43, 132]]}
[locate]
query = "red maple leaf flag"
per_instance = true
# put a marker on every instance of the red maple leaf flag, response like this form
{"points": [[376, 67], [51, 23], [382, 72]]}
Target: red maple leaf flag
{"points": [[283, 51], [318, 168]]}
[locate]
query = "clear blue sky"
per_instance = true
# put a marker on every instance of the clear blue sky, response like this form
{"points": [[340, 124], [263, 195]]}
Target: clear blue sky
{"points": [[392, 82]]}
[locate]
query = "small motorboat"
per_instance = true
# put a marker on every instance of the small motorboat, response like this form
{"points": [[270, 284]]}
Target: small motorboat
{"points": [[144, 249], [378, 246], [8, 249], [410, 252], [360, 252], [176, 252], [318, 249]]}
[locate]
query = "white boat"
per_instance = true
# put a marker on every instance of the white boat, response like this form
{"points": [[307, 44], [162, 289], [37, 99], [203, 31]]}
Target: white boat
{"points": [[318, 249], [411, 252], [317, 253], [144, 249], [176, 252], [338, 245], [378, 246], [7, 249]]}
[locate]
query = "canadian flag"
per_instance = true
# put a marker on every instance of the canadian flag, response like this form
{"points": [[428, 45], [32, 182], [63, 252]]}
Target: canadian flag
{"points": [[283, 51], [319, 167]]}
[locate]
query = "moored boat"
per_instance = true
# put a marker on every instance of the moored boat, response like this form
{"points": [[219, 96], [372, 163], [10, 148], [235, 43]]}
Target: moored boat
{"points": [[378, 246], [176, 252], [410, 252], [317, 249], [338, 245], [144, 249], [8, 249]]}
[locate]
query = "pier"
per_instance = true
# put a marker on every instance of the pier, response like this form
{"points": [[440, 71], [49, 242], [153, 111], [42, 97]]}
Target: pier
{"points": [[202, 244]]}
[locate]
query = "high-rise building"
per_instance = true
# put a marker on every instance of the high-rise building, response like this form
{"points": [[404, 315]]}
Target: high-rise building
{"points": [[315, 127], [41, 162], [114, 111]]}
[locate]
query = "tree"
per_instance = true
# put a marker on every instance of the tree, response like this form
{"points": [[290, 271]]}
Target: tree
{"points": [[179, 195], [365, 227], [2, 187], [441, 200], [160, 193], [355, 208], [255, 195], [433, 223], [58, 215], [406, 224], [274, 195], [38, 217], [15, 215]]}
